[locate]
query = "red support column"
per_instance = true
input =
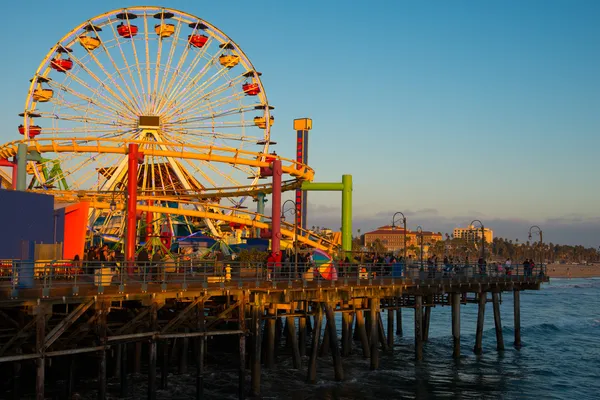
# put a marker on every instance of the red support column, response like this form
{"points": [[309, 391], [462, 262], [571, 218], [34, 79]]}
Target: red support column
{"points": [[131, 205], [276, 211]]}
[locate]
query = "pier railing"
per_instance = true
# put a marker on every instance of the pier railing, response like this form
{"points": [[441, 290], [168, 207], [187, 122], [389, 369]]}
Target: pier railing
{"points": [[59, 277]]}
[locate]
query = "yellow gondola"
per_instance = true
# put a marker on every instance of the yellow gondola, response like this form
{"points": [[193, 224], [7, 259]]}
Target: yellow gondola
{"points": [[229, 60], [164, 30], [261, 122], [89, 42], [42, 95]]}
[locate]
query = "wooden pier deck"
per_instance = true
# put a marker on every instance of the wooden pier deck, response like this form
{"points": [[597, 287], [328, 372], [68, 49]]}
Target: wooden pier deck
{"points": [[130, 322]]}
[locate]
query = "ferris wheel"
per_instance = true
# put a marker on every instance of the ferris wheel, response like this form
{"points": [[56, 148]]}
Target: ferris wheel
{"points": [[151, 74], [158, 76]]}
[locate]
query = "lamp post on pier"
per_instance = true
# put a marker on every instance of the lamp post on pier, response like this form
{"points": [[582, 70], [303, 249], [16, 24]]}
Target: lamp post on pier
{"points": [[295, 212], [420, 233], [482, 236], [404, 225], [539, 232]]}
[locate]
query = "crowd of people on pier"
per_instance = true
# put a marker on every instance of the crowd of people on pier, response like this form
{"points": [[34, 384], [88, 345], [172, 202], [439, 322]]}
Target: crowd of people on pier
{"points": [[154, 262]]}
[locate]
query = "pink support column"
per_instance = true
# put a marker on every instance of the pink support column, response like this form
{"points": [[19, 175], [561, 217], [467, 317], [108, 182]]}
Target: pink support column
{"points": [[276, 212], [131, 205]]}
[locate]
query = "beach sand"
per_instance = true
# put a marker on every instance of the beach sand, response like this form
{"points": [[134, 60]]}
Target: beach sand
{"points": [[573, 271]]}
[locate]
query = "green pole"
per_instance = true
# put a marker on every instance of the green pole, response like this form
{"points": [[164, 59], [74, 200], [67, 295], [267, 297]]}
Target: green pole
{"points": [[260, 208], [346, 188], [22, 167], [347, 213]]}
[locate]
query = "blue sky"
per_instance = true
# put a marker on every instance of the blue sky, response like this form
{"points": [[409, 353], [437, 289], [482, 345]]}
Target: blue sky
{"points": [[446, 110]]}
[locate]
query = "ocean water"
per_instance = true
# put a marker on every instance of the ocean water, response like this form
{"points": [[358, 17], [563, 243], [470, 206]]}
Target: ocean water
{"points": [[559, 359]]}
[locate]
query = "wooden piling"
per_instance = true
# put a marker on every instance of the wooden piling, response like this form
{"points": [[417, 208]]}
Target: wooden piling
{"points": [[398, 319], [117, 361], [381, 332], [418, 328], [426, 320], [16, 381], [124, 368], [40, 330], [335, 350], [291, 327], [517, 304], [456, 324], [324, 350], [183, 353], [164, 368], [302, 331], [200, 348], [242, 364], [152, 354], [137, 360], [102, 310], [390, 328], [362, 333], [314, 350], [256, 348], [497, 322], [480, 318], [70, 382], [271, 324], [346, 333], [374, 306]]}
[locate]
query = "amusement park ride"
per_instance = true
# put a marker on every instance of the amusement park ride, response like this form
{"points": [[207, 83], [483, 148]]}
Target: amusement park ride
{"points": [[149, 111]]}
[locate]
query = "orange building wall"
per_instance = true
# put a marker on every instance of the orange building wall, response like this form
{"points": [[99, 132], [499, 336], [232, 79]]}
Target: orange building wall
{"points": [[76, 219]]}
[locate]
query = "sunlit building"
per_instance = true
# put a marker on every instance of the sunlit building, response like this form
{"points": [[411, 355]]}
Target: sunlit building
{"points": [[393, 238], [473, 234]]}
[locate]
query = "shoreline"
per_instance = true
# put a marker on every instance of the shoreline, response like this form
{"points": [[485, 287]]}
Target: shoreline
{"points": [[573, 271]]}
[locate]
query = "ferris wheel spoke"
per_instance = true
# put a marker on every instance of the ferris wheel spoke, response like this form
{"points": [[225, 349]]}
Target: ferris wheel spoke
{"points": [[102, 107], [200, 106], [89, 120], [120, 100], [199, 101], [214, 115], [145, 90], [147, 53], [168, 87], [143, 102], [159, 89], [134, 100], [98, 94], [197, 94], [82, 110], [178, 92]]}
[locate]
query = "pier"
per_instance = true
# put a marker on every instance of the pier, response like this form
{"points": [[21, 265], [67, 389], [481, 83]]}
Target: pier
{"points": [[131, 323]]}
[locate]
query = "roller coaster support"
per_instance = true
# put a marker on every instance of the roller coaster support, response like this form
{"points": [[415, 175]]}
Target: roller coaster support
{"points": [[346, 188], [22, 157]]}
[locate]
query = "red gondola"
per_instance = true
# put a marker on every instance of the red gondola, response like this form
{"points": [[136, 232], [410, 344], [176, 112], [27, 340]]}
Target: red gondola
{"points": [[34, 130], [127, 31], [197, 40], [251, 89], [61, 64]]}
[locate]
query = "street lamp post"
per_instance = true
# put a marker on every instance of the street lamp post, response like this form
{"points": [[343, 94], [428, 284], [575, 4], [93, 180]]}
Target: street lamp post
{"points": [[420, 232], [539, 232], [404, 225], [295, 212], [482, 237]]}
